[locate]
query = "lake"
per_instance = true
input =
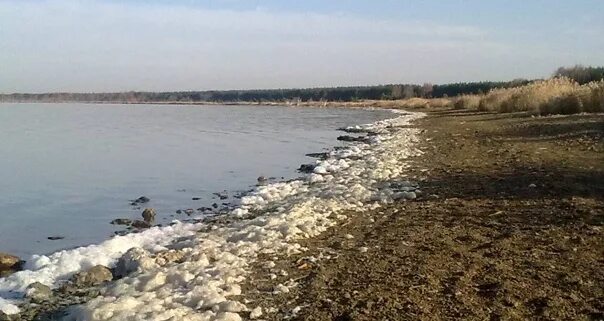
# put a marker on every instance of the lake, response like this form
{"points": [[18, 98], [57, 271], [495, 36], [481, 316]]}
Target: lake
{"points": [[67, 170]]}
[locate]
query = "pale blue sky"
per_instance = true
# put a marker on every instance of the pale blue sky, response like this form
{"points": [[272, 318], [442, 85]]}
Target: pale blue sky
{"points": [[95, 45]]}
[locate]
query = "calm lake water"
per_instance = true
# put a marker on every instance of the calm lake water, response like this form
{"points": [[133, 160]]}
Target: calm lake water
{"points": [[69, 169]]}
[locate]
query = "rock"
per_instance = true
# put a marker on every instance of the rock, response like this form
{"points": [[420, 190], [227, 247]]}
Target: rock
{"points": [[96, 275], [149, 215], [142, 200], [9, 262], [189, 211], [9, 317], [135, 259], [56, 237], [196, 198], [256, 313], [221, 196], [262, 180], [404, 196], [38, 292], [532, 186], [307, 168], [347, 138], [215, 205], [121, 221], [321, 156], [353, 130], [165, 257], [140, 224]]}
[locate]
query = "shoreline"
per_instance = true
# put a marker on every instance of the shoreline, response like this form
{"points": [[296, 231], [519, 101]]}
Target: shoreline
{"points": [[509, 227], [489, 236], [286, 193]]}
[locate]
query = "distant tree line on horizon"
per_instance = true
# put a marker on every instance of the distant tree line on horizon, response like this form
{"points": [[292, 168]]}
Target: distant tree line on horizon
{"points": [[380, 92], [581, 74]]}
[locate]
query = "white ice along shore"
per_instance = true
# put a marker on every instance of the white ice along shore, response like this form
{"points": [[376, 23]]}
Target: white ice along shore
{"points": [[216, 259]]}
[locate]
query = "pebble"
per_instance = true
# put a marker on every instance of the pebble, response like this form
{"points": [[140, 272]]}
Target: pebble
{"points": [[256, 313]]}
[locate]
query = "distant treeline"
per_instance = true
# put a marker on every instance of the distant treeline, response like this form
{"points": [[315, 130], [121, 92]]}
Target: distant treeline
{"points": [[581, 74], [381, 92]]}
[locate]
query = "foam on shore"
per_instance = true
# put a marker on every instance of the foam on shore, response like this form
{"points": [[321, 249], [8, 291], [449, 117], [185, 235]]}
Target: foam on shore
{"points": [[217, 258]]}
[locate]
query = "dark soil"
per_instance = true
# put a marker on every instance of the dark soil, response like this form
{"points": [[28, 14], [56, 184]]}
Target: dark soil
{"points": [[509, 227]]}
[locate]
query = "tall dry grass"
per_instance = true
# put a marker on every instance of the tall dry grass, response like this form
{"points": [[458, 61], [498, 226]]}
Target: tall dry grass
{"points": [[553, 96], [466, 102]]}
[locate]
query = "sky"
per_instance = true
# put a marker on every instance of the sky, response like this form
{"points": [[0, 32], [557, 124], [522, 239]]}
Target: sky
{"points": [[160, 45]]}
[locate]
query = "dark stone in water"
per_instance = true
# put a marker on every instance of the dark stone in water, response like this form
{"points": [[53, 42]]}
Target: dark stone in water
{"points": [[189, 211], [262, 180], [178, 211], [141, 200], [347, 138], [307, 168], [140, 224], [56, 237], [121, 221], [196, 198], [321, 156], [215, 205], [221, 196]]}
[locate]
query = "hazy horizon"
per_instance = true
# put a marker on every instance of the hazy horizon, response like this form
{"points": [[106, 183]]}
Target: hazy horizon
{"points": [[111, 46]]}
